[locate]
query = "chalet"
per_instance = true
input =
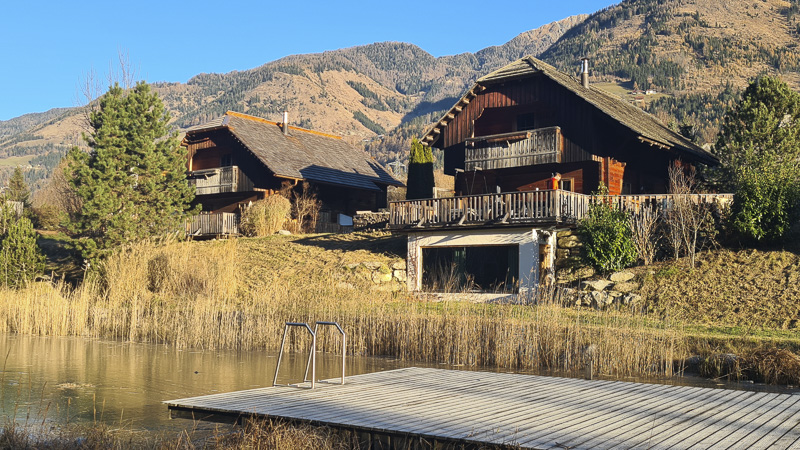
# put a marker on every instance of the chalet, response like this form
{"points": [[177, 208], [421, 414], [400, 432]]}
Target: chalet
{"points": [[238, 158], [526, 144]]}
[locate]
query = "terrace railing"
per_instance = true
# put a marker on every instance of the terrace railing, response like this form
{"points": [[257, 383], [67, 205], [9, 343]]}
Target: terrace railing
{"points": [[213, 224], [517, 149], [220, 180], [552, 207]]}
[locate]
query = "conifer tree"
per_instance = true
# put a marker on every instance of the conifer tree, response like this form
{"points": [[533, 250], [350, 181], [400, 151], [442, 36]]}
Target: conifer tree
{"points": [[21, 260], [17, 189], [420, 172], [132, 182], [759, 150]]}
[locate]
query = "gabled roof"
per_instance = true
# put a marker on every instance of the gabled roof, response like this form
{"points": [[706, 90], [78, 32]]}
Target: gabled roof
{"points": [[302, 154], [649, 129]]}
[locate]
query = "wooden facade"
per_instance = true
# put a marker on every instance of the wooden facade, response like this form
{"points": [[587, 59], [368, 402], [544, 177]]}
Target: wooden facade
{"points": [[238, 159], [528, 115]]}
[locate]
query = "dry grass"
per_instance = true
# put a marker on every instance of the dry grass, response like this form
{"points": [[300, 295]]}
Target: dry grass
{"points": [[237, 294]]}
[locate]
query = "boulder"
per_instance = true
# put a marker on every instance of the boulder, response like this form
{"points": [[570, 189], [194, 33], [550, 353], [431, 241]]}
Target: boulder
{"points": [[631, 299], [380, 277], [562, 253], [352, 266], [565, 233], [284, 232], [384, 269], [621, 277], [372, 265], [595, 285], [400, 275], [399, 265], [569, 242]]}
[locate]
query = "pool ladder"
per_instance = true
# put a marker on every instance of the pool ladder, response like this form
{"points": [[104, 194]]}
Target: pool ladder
{"points": [[312, 355]]}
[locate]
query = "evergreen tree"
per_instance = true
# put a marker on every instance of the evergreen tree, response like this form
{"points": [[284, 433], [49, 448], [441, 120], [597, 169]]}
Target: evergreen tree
{"points": [[17, 189], [420, 172], [21, 261], [759, 150], [132, 182]]}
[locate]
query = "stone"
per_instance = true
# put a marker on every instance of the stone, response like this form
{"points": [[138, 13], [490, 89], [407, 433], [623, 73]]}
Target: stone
{"points": [[601, 298], [572, 261], [562, 253], [595, 285], [631, 299], [569, 242], [400, 275], [372, 265], [284, 232], [384, 269], [583, 272], [352, 266], [626, 287], [380, 278], [399, 265], [343, 285], [619, 277], [565, 233]]}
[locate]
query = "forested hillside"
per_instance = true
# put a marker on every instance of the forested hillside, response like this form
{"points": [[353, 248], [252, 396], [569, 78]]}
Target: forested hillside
{"points": [[696, 54]]}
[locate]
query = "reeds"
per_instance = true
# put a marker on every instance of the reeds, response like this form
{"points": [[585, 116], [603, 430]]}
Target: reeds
{"points": [[213, 295]]}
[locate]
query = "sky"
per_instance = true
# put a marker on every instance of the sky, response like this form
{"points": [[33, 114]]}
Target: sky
{"points": [[48, 48]]}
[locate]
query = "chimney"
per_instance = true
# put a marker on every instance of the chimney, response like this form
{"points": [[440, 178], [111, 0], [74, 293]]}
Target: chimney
{"points": [[286, 123], [585, 72]]}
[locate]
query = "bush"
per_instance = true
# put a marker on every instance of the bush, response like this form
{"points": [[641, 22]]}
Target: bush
{"points": [[20, 257], [265, 217], [765, 206], [608, 243]]}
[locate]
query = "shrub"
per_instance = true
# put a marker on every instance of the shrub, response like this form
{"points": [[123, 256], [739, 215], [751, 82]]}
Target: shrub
{"points": [[765, 205], [607, 237], [20, 257], [266, 216]]}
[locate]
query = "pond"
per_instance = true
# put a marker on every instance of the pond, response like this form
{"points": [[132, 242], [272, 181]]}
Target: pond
{"points": [[57, 380]]}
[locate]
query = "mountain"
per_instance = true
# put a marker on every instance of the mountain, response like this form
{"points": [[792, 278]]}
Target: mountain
{"points": [[699, 52], [359, 93]]}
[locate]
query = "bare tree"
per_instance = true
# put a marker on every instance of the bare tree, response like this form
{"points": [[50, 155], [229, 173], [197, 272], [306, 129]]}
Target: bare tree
{"points": [[686, 216], [644, 230]]}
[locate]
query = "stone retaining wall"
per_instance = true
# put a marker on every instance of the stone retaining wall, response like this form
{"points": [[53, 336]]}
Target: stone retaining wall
{"points": [[569, 258], [371, 220]]}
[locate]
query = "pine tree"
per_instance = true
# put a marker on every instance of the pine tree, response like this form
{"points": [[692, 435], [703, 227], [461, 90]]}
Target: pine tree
{"points": [[420, 172], [17, 189], [759, 150], [21, 261], [132, 182]]}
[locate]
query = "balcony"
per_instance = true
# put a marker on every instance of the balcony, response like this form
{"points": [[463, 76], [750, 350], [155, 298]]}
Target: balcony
{"points": [[544, 208], [517, 149], [219, 180]]}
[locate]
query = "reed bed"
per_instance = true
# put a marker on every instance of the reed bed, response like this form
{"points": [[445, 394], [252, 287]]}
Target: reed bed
{"points": [[217, 295]]}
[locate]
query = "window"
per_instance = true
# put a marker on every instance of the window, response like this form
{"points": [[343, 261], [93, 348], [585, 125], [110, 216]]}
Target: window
{"points": [[226, 160], [567, 184], [480, 268], [525, 122]]}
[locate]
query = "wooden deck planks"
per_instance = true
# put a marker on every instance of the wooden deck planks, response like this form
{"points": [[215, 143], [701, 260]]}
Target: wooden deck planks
{"points": [[533, 411]]}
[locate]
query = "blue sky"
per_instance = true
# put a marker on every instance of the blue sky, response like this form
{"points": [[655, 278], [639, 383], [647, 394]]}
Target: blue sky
{"points": [[48, 47]]}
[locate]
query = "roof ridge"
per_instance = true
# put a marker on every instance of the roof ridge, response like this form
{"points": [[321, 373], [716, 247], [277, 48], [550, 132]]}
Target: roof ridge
{"points": [[291, 127]]}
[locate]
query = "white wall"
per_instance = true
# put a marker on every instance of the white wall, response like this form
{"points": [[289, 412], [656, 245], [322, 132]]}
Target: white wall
{"points": [[528, 240]]}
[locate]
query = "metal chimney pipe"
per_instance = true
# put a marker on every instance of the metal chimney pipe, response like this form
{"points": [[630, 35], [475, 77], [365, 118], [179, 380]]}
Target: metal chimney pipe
{"points": [[286, 123], [585, 72]]}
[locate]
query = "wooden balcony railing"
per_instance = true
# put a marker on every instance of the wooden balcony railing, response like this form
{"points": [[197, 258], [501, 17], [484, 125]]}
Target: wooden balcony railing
{"points": [[551, 207], [213, 224], [522, 148], [220, 180]]}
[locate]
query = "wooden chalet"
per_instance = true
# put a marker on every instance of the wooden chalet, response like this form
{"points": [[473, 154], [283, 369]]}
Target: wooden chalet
{"points": [[237, 159], [526, 145]]}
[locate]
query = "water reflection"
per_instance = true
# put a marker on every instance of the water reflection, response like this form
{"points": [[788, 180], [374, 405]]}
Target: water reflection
{"points": [[74, 380]]}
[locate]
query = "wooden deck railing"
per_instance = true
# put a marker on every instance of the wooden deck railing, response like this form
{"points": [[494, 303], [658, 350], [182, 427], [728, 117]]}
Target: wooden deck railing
{"points": [[213, 224], [525, 148], [551, 207], [220, 180]]}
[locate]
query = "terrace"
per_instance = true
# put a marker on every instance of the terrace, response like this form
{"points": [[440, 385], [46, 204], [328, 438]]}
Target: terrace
{"points": [[517, 149], [219, 180], [542, 208]]}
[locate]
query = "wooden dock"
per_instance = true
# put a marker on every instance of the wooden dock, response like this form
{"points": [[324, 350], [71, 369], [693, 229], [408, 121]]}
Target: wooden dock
{"points": [[416, 406]]}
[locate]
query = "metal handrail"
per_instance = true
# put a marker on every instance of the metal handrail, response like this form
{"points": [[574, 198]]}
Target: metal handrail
{"points": [[313, 360], [311, 355]]}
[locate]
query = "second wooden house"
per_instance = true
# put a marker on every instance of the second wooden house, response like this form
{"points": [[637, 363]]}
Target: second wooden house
{"points": [[238, 158]]}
